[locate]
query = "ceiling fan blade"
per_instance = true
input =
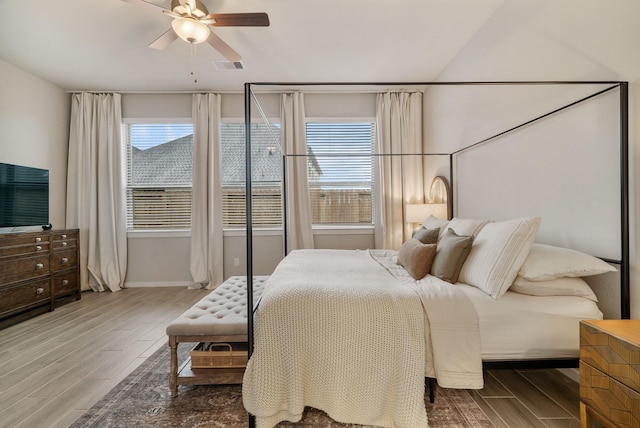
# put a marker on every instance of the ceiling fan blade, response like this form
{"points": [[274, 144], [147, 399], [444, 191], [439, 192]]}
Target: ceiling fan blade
{"points": [[260, 19], [226, 50], [164, 40], [147, 4], [171, 13]]}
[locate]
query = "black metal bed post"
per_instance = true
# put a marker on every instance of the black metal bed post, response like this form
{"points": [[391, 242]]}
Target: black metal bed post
{"points": [[450, 197], [285, 234], [249, 223], [625, 297]]}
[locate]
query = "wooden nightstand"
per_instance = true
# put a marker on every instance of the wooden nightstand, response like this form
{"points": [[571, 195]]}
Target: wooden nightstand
{"points": [[610, 372]]}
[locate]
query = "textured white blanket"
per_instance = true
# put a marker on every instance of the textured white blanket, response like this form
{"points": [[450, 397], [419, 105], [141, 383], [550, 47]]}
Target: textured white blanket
{"points": [[337, 332], [452, 331]]}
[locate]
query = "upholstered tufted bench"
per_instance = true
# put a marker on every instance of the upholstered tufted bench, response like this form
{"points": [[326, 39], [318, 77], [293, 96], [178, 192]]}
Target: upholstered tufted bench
{"points": [[221, 316]]}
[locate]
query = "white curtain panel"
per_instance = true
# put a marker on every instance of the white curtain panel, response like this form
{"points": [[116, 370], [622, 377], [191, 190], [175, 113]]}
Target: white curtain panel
{"points": [[207, 260], [398, 174], [294, 142], [96, 190]]}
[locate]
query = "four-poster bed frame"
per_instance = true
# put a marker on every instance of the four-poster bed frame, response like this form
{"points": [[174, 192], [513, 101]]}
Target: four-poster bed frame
{"points": [[249, 97]]}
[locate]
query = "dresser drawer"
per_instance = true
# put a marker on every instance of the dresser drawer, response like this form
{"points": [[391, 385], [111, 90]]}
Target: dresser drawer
{"points": [[64, 235], [66, 243], [23, 296], [65, 282], [24, 249], [610, 354], [64, 259], [13, 270], [21, 239], [608, 397]]}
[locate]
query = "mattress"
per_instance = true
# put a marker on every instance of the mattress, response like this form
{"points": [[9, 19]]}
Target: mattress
{"points": [[522, 327], [516, 326]]}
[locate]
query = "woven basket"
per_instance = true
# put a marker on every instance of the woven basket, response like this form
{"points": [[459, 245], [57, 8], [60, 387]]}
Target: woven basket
{"points": [[219, 355]]}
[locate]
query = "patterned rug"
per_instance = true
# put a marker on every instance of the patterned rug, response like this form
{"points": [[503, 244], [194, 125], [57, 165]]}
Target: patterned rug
{"points": [[143, 399]]}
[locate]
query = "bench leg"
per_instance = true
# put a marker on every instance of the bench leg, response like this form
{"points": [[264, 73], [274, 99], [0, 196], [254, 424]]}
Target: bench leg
{"points": [[173, 377]]}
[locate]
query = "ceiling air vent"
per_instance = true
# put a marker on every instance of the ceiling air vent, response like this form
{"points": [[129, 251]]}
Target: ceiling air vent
{"points": [[229, 65]]}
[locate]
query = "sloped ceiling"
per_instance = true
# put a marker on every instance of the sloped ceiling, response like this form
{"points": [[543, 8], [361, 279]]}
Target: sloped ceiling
{"points": [[554, 40]]}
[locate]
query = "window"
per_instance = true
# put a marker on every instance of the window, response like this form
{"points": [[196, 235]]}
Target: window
{"points": [[266, 176], [340, 171], [339, 166], [159, 175]]}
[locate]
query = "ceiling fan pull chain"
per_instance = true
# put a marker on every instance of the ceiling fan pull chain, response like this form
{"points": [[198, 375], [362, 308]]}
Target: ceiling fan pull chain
{"points": [[193, 56]]}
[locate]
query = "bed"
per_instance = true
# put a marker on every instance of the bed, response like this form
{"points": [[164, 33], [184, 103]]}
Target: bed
{"points": [[355, 332], [499, 308]]}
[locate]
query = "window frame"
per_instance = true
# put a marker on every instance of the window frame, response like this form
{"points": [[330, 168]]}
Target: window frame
{"points": [[149, 233], [345, 228]]}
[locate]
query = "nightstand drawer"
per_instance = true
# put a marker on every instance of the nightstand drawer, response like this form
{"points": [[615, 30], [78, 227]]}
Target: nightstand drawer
{"points": [[612, 355], [608, 397]]}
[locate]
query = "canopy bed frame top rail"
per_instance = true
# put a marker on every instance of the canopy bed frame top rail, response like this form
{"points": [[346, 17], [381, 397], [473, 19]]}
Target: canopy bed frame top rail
{"points": [[624, 179]]}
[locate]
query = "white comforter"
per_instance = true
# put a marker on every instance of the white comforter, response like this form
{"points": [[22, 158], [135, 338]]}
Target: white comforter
{"points": [[337, 332]]}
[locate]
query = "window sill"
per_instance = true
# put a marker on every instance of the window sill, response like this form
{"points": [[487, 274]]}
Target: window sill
{"points": [[159, 233]]}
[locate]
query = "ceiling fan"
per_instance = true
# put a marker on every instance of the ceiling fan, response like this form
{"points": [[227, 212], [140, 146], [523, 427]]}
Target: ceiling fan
{"points": [[191, 21]]}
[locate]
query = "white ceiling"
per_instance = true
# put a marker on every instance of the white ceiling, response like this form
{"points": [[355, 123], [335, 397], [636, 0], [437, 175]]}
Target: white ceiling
{"points": [[103, 44]]}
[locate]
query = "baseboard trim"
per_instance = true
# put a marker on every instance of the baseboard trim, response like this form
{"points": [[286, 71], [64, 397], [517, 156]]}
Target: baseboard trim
{"points": [[157, 284]]}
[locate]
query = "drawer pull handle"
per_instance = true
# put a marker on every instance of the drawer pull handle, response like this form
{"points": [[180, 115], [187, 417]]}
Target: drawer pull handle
{"points": [[38, 239], [64, 236], [65, 260], [64, 244], [65, 282], [39, 266], [38, 247], [39, 290]]}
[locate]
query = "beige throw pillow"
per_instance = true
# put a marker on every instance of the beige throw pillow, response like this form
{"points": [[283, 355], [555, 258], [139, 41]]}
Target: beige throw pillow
{"points": [[427, 236], [451, 253], [416, 257]]}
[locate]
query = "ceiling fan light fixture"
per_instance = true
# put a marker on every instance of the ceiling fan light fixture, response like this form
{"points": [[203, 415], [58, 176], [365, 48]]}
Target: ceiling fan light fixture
{"points": [[190, 30]]}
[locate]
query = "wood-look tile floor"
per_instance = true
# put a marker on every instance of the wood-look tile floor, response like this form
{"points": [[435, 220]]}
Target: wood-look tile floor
{"points": [[56, 366]]}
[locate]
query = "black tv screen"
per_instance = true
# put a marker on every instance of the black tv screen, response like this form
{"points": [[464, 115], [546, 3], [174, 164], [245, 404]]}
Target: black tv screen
{"points": [[24, 196]]}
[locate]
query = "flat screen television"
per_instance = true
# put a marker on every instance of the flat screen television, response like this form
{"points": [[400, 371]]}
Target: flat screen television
{"points": [[24, 196]]}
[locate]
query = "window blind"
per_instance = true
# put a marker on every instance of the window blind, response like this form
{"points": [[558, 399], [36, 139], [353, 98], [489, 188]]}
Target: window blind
{"points": [[159, 160], [266, 175], [340, 171]]}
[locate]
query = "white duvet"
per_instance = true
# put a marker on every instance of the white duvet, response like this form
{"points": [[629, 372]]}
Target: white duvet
{"points": [[335, 330]]}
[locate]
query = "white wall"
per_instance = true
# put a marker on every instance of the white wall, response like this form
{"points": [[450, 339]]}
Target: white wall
{"points": [[34, 130], [528, 41]]}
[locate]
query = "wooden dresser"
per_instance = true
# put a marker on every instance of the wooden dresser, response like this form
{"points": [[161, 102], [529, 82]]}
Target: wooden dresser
{"points": [[38, 270], [610, 372]]}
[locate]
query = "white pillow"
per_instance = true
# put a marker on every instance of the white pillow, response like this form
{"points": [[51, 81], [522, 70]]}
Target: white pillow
{"points": [[497, 254], [546, 262], [554, 287], [466, 227]]}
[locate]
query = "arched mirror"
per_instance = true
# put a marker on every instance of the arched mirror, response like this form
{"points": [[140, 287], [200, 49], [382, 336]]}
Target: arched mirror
{"points": [[439, 196]]}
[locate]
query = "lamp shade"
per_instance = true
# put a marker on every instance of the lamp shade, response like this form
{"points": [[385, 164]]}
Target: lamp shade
{"points": [[190, 30], [417, 213]]}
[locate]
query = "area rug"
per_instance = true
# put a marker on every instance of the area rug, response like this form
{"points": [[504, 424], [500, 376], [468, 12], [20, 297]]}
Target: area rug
{"points": [[143, 399]]}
